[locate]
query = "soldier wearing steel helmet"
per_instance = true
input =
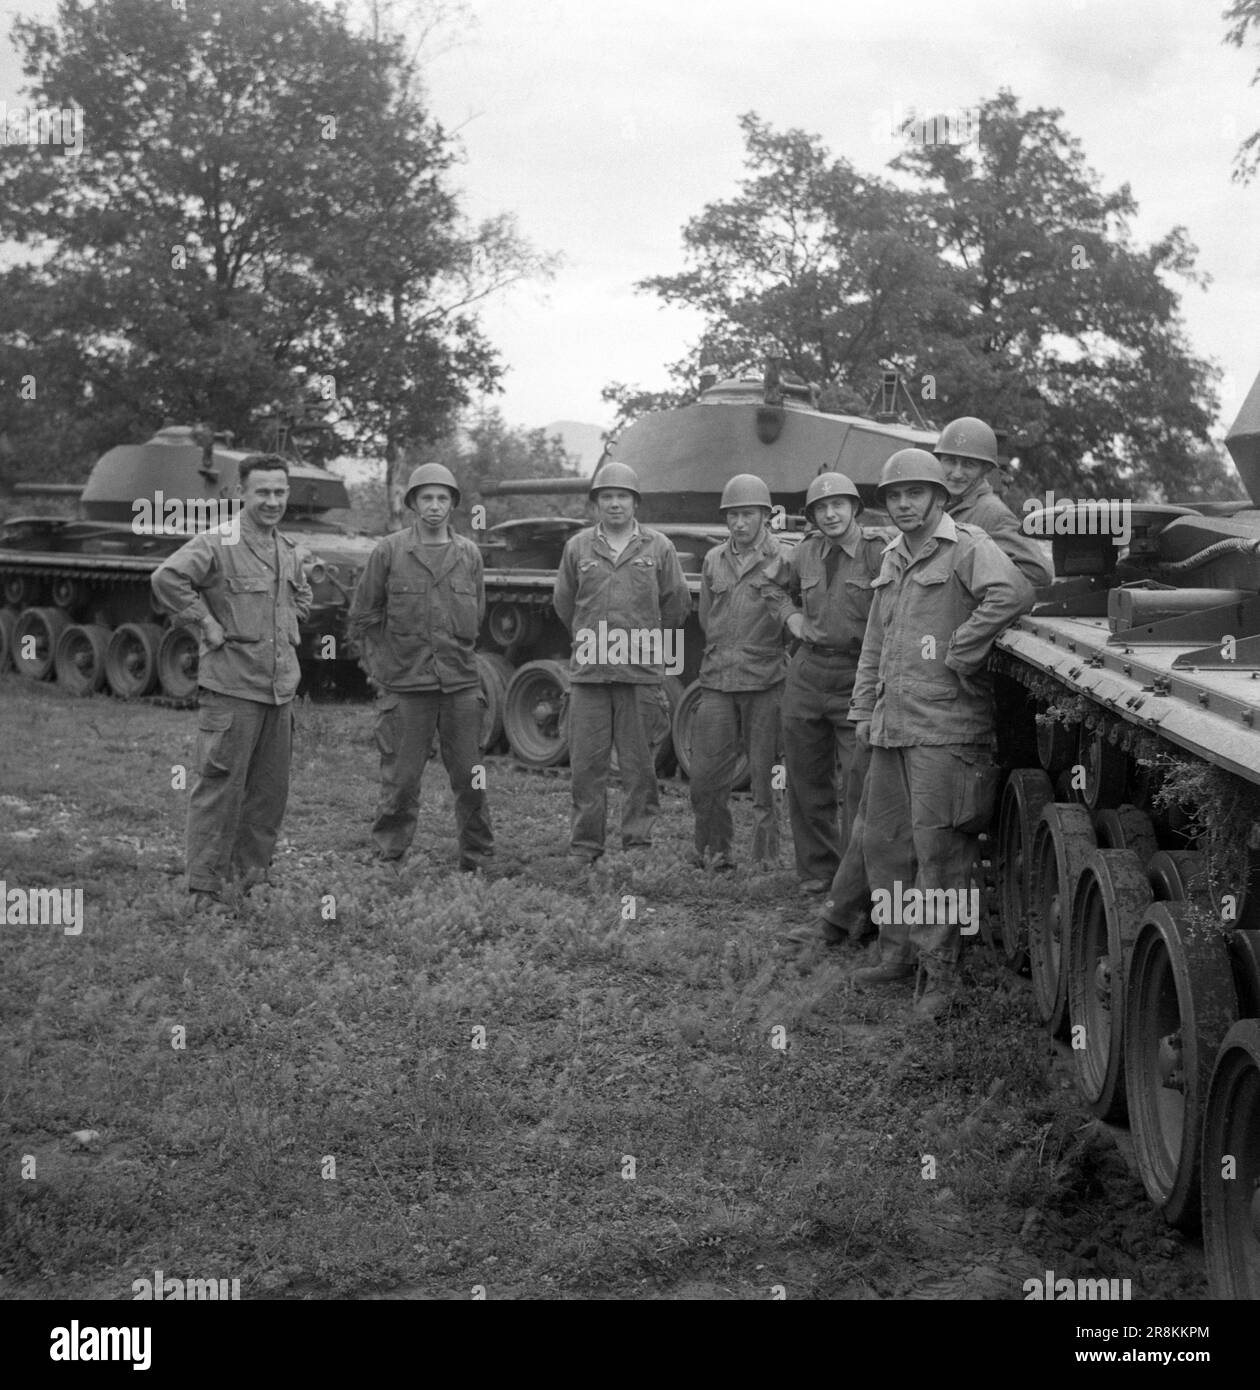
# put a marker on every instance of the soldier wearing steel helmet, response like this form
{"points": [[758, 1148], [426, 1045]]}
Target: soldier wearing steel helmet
{"points": [[967, 450], [741, 675], [923, 701], [617, 579], [833, 569], [417, 611]]}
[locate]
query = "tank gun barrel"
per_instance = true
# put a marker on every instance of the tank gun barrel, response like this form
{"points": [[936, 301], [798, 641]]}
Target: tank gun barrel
{"points": [[535, 487], [48, 489]]}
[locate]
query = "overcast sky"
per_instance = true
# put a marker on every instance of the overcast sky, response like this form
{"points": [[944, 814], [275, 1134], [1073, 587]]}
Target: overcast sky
{"points": [[605, 124]]}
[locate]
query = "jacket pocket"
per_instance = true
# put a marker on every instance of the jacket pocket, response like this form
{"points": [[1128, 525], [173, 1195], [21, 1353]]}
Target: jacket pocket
{"points": [[975, 790], [406, 606], [250, 603], [213, 726]]}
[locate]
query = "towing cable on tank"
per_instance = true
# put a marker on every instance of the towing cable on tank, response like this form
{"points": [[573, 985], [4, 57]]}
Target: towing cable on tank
{"points": [[1208, 553]]}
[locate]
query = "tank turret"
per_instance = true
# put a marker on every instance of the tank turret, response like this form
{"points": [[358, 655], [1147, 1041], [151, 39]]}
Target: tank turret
{"points": [[76, 601]]}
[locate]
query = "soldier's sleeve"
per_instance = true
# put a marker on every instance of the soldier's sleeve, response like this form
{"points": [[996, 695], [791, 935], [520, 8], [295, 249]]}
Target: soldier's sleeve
{"points": [[178, 580], [674, 594], [303, 595], [564, 595], [1023, 551], [1001, 593], [866, 682], [706, 591], [783, 588], [367, 608], [479, 569]]}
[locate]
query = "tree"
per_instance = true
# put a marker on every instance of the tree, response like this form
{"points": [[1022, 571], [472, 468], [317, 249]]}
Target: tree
{"points": [[998, 277], [1069, 335], [1245, 15], [259, 223], [812, 263]]}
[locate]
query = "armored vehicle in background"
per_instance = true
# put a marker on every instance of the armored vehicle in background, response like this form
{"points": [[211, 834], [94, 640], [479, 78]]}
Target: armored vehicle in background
{"points": [[1125, 850], [76, 598], [683, 459]]}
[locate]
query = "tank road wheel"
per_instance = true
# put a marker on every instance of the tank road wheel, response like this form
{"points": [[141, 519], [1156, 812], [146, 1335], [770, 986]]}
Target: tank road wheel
{"points": [[1244, 954], [177, 662], [1106, 769], [1126, 827], [1027, 791], [8, 621], [1231, 1193], [1177, 875], [1061, 844], [1056, 744], [68, 593], [1179, 1004], [20, 591], [131, 663], [513, 626], [684, 732], [533, 714], [494, 687], [35, 637], [80, 658], [1111, 895]]}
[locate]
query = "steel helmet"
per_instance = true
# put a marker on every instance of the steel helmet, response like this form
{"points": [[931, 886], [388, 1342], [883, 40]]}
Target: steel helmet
{"points": [[431, 475], [968, 438], [911, 466], [832, 485], [619, 475], [745, 490]]}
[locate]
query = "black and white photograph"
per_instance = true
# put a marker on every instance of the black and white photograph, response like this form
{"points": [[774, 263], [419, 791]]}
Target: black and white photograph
{"points": [[630, 662]]}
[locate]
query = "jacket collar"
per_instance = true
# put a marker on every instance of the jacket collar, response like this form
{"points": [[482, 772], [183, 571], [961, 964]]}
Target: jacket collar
{"points": [[945, 531], [440, 563], [980, 488]]}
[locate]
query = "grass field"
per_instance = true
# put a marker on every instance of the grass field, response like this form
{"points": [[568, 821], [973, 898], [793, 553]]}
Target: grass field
{"points": [[539, 1082]]}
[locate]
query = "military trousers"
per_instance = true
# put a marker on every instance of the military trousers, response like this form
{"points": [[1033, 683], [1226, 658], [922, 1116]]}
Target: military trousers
{"points": [[405, 724], [244, 749], [629, 717], [825, 765], [728, 723], [923, 804]]}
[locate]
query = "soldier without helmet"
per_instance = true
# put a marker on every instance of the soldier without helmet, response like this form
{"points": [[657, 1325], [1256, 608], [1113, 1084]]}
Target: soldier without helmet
{"points": [[741, 675], [417, 611]]}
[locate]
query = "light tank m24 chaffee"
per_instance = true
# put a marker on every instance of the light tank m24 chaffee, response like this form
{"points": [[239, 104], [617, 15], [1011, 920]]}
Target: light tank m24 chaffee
{"points": [[683, 458], [76, 597], [1125, 844]]}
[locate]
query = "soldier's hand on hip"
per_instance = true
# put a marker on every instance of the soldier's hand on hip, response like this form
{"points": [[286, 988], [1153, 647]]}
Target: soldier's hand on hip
{"points": [[212, 630], [796, 624]]}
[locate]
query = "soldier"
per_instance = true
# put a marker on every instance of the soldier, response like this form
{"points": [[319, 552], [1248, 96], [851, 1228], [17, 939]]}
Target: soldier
{"points": [[621, 593], [832, 572], [741, 675], [967, 450], [923, 701], [247, 593], [417, 611]]}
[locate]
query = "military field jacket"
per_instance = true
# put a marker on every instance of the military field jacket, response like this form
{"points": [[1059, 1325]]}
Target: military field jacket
{"points": [[743, 647], [922, 677], [417, 612], [255, 587], [982, 507], [835, 616], [605, 599]]}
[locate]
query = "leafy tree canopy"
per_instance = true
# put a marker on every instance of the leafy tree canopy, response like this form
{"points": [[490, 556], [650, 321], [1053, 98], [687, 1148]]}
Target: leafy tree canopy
{"points": [[996, 275], [259, 224]]}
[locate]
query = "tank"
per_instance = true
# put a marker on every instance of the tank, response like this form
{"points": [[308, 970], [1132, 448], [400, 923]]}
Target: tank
{"points": [[77, 604], [683, 458], [1123, 853]]}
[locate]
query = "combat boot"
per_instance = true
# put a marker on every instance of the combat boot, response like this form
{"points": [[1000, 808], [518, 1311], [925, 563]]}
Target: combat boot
{"points": [[940, 986], [885, 973]]}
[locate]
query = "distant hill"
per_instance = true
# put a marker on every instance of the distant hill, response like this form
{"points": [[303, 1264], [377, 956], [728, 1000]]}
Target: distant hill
{"points": [[583, 440]]}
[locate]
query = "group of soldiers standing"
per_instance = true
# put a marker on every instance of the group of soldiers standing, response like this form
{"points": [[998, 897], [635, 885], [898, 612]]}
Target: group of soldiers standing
{"points": [[881, 719]]}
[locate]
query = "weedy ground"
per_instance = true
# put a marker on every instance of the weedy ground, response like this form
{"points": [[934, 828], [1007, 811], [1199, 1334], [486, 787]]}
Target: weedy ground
{"points": [[539, 1082]]}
